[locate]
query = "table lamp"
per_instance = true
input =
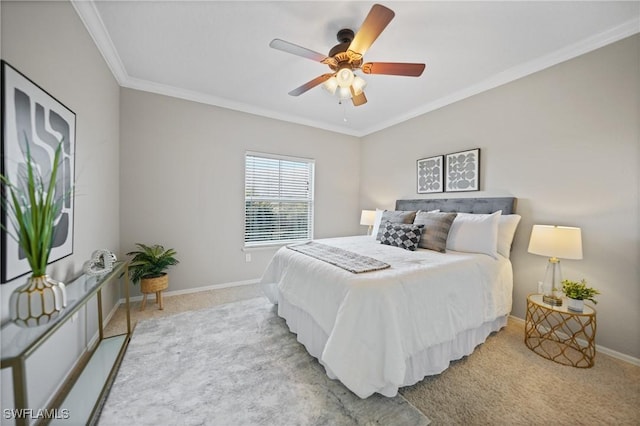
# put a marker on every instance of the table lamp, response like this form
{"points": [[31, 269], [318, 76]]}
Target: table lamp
{"points": [[557, 242], [368, 217]]}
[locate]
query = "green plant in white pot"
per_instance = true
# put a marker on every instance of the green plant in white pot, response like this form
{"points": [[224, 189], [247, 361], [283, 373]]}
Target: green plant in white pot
{"points": [[577, 292], [32, 206]]}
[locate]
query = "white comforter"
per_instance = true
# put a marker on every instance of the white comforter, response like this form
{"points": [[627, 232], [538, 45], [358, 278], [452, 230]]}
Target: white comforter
{"points": [[377, 320]]}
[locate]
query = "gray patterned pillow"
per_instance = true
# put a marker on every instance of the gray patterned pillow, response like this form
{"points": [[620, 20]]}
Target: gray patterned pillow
{"points": [[403, 235], [436, 229], [395, 216]]}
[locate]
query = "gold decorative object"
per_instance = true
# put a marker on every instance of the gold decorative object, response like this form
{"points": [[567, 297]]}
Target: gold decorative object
{"points": [[38, 302], [559, 334]]}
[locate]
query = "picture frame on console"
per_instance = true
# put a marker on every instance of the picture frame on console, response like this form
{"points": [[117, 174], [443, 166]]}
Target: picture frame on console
{"points": [[30, 115]]}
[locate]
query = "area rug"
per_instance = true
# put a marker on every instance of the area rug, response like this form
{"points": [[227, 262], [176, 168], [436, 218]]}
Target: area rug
{"points": [[235, 364]]}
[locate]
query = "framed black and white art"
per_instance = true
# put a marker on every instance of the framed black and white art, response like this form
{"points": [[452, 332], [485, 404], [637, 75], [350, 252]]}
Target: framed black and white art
{"points": [[31, 114], [462, 171], [430, 174]]}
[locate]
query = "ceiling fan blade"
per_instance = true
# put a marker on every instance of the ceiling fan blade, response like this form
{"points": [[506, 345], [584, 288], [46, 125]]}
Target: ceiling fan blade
{"points": [[294, 49], [393, 68], [310, 84], [358, 100], [375, 22]]}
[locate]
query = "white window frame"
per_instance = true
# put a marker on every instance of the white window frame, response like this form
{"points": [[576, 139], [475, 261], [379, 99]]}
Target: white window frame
{"points": [[248, 242]]}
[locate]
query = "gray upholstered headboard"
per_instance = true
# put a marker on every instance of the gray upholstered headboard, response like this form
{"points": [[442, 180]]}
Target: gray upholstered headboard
{"points": [[465, 205]]}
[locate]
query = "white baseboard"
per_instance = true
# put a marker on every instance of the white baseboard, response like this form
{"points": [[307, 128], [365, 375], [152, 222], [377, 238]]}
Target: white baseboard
{"points": [[602, 349], [198, 289], [618, 355]]}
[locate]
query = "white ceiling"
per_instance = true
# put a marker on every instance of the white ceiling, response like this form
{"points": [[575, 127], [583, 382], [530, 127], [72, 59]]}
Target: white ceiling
{"points": [[218, 52]]}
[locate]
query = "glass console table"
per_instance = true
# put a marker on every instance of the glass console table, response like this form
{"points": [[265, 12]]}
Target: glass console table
{"points": [[81, 395]]}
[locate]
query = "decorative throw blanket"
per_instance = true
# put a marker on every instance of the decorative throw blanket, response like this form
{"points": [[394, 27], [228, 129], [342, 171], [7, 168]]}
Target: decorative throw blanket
{"points": [[347, 260]]}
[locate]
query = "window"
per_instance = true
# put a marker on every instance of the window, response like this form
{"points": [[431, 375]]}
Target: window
{"points": [[278, 199]]}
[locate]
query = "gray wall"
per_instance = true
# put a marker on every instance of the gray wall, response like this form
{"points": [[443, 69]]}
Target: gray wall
{"points": [[182, 183], [566, 143], [48, 43]]}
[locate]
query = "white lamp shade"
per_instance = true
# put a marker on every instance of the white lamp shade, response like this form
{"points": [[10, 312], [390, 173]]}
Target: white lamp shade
{"points": [[563, 242], [368, 217]]}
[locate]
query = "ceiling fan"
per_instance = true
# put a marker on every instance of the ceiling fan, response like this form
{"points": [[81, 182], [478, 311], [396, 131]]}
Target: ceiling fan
{"points": [[346, 57]]}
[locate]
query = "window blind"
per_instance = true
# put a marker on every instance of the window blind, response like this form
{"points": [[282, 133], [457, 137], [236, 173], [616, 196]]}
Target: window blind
{"points": [[278, 199]]}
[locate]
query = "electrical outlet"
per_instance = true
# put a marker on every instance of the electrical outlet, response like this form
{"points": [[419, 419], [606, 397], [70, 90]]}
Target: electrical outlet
{"points": [[247, 257]]}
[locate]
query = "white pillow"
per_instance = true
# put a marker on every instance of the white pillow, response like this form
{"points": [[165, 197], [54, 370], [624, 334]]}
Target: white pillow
{"points": [[507, 226], [475, 233]]}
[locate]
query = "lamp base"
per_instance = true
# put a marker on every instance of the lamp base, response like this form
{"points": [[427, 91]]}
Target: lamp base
{"points": [[552, 300]]}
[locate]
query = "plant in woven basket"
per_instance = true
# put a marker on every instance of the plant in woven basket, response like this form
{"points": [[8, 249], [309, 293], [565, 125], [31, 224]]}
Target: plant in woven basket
{"points": [[579, 290], [150, 261]]}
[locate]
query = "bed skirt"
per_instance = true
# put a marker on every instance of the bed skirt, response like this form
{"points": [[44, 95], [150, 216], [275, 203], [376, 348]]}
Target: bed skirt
{"points": [[431, 361]]}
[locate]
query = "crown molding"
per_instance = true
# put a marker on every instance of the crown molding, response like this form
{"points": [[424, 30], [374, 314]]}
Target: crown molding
{"points": [[193, 96], [587, 45], [92, 21], [95, 26]]}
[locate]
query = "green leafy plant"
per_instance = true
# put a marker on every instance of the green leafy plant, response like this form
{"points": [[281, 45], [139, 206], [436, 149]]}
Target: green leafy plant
{"points": [[32, 206], [579, 290], [150, 261]]}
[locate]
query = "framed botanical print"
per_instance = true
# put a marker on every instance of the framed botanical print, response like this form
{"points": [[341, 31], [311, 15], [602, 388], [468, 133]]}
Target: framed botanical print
{"points": [[462, 171]]}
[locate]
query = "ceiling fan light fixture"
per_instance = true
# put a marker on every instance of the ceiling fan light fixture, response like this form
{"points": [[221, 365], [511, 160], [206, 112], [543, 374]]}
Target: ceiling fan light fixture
{"points": [[358, 85], [348, 56], [331, 85], [345, 77], [344, 93]]}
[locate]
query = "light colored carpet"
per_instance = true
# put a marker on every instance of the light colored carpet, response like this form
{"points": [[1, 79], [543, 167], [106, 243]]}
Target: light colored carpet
{"points": [[180, 303], [235, 364], [501, 383], [504, 383]]}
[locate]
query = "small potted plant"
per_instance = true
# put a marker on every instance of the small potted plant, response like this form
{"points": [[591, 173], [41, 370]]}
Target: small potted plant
{"points": [[149, 266], [577, 293]]}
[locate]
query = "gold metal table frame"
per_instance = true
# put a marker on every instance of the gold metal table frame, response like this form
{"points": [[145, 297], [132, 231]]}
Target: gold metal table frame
{"points": [[559, 334], [19, 343]]}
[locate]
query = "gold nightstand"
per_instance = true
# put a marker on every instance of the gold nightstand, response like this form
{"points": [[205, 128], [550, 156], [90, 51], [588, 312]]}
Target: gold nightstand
{"points": [[559, 334]]}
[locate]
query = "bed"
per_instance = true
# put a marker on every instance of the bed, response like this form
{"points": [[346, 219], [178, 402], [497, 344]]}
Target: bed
{"points": [[380, 330]]}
